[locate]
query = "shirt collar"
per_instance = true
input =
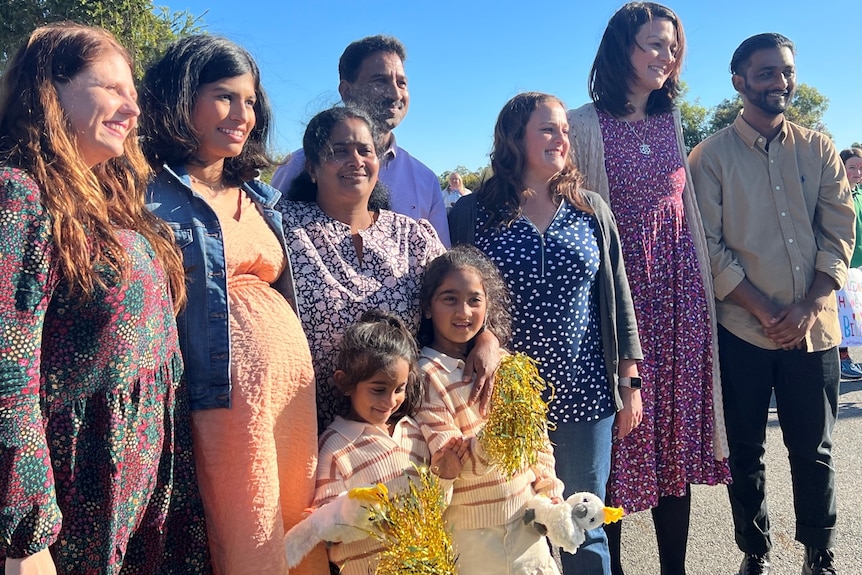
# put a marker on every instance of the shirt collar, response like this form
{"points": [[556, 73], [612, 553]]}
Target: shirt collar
{"points": [[353, 430], [751, 136], [389, 153], [447, 363]]}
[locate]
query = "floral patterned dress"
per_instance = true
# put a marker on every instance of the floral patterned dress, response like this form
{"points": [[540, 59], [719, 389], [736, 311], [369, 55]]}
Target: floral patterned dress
{"points": [[673, 446], [91, 444], [334, 287]]}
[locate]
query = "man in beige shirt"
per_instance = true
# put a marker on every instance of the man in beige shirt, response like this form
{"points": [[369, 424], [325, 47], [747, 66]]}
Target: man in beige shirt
{"points": [[779, 224]]}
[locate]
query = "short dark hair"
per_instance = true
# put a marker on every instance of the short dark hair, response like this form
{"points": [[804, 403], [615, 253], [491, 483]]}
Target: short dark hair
{"points": [[168, 99], [853, 152], [612, 70], [356, 52], [742, 55], [501, 193], [373, 344], [498, 316], [316, 144]]}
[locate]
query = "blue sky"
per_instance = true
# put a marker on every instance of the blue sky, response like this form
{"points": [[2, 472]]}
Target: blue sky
{"points": [[467, 58]]}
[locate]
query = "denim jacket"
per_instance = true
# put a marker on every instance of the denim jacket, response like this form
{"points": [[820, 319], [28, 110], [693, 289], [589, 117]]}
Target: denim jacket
{"points": [[204, 324]]}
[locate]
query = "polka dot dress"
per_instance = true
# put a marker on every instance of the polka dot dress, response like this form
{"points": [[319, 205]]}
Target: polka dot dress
{"points": [[552, 277], [673, 445]]}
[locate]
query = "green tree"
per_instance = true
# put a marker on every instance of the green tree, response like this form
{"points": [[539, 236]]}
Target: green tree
{"points": [[139, 26], [694, 117], [806, 109]]}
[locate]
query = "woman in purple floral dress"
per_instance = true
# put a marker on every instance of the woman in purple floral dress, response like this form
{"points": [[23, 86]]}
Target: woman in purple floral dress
{"points": [[628, 144], [94, 447]]}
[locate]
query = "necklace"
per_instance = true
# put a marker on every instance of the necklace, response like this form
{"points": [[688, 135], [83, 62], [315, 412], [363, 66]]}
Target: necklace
{"points": [[644, 148], [213, 188]]}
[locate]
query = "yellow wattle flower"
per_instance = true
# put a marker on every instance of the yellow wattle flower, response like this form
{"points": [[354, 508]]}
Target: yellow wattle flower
{"points": [[516, 429], [372, 494]]}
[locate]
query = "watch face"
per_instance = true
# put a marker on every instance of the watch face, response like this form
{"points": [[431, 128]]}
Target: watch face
{"points": [[636, 383]]}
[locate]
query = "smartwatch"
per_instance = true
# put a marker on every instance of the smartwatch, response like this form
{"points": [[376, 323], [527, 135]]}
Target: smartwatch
{"points": [[632, 382]]}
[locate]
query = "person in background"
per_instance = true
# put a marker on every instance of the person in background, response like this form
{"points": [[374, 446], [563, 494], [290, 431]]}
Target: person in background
{"points": [[558, 249], [94, 435], [205, 123], [372, 78], [628, 144], [852, 158], [777, 312], [454, 191], [351, 254]]}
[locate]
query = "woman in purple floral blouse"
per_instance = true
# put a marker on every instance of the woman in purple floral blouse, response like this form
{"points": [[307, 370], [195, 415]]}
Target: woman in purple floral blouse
{"points": [[349, 252]]}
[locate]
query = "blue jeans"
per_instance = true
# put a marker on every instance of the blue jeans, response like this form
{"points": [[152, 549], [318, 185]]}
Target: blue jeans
{"points": [[583, 455]]}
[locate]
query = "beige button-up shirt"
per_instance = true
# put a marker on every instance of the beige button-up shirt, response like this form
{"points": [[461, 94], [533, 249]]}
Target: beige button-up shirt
{"points": [[774, 213]]}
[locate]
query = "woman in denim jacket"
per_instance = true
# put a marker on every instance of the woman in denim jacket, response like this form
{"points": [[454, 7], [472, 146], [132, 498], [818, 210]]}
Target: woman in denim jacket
{"points": [[248, 364]]}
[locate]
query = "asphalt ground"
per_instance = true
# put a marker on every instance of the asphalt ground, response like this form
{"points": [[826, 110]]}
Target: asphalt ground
{"points": [[711, 548]]}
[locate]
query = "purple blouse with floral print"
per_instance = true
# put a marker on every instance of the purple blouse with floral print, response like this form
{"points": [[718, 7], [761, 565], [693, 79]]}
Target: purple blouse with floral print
{"points": [[334, 287]]}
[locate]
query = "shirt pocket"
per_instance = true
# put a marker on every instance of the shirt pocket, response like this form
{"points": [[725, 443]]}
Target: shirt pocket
{"points": [[183, 235]]}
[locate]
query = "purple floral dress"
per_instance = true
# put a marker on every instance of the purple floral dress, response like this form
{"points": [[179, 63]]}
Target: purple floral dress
{"points": [[95, 455], [673, 446]]}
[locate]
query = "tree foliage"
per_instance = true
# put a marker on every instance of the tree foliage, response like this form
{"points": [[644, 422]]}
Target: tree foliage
{"points": [[806, 109], [694, 119], [139, 26], [472, 180]]}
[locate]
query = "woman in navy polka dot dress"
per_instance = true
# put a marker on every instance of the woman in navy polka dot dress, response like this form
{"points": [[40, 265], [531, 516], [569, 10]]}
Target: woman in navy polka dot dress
{"points": [[558, 249]]}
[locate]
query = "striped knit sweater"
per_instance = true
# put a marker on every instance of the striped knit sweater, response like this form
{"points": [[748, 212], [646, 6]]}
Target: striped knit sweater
{"points": [[482, 496], [357, 454]]}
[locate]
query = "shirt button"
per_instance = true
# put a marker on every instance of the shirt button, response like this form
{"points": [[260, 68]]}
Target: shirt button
{"points": [[790, 241], [777, 187], [797, 268], [783, 214]]}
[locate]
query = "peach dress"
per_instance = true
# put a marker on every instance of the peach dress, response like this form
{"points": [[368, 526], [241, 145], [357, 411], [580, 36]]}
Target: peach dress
{"points": [[256, 461]]}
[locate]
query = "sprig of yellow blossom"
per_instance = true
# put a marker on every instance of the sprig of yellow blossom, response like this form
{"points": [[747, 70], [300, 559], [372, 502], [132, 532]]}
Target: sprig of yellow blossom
{"points": [[516, 428], [411, 528]]}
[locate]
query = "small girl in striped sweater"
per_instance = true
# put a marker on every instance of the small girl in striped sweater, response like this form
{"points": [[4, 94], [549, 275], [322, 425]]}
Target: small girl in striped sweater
{"points": [[463, 294], [377, 441]]}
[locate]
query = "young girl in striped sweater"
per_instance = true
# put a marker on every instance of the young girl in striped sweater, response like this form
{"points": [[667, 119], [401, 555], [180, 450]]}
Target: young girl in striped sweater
{"points": [[377, 441], [463, 294]]}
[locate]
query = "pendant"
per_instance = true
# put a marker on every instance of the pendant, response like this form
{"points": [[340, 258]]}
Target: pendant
{"points": [[645, 149]]}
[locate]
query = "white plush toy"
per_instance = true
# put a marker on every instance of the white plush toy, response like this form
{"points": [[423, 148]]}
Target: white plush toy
{"points": [[345, 519], [564, 523]]}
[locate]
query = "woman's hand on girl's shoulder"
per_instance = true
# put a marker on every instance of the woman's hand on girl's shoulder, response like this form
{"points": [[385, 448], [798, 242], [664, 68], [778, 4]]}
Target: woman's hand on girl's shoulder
{"points": [[482, 364]]}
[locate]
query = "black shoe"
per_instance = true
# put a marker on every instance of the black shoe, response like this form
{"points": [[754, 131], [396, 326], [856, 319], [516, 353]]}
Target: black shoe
{"points": [[819, 562], [753, 564]]}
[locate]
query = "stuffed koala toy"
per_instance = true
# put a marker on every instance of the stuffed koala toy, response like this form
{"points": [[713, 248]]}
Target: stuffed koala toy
{"points": [[564, 523]]}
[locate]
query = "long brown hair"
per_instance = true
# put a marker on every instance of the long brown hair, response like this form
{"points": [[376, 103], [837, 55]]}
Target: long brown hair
{"points": [[86, 206], [501, 193], [612, 70]]}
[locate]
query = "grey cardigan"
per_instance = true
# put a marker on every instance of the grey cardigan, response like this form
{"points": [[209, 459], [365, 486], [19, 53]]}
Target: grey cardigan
{"points": [[618, 324]]}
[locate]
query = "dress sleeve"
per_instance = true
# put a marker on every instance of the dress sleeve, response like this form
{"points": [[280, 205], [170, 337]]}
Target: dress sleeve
{"points": [[427, 243], [30, 519]]}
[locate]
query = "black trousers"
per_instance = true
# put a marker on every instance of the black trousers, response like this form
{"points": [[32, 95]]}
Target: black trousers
{"points": [[806, 397]]}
